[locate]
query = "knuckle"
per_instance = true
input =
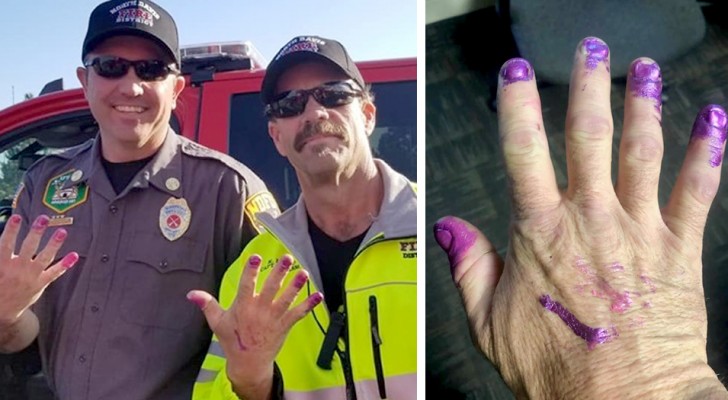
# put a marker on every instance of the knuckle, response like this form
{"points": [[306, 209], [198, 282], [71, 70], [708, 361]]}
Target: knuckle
{"points": [[522, 146], [642, 149], [588, 127]]}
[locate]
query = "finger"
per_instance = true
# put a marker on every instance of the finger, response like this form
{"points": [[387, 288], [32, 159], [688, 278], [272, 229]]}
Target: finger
{"points": [[291, 292], [209, 306], [641, 147], [523, 139], [273, 283], [475, 266], [249, 278], [589, 122], [9, 236], [30, 244], [48, 254], [54, 272], [300, 311], [697, 183]]}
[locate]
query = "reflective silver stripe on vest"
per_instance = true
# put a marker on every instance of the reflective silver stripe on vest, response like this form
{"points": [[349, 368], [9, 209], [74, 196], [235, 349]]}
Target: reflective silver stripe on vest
{"points": [[215, 349], [206, 375], [401, 387]]}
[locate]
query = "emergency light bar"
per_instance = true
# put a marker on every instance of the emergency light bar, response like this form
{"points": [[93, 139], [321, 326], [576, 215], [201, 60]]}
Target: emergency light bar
{"points": [[222, 52]]}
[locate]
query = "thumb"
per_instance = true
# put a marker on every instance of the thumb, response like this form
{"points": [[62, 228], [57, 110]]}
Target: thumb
{"points": [[475, 266], [209, 306]]}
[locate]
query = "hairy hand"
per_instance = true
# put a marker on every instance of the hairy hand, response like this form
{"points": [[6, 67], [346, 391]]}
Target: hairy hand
{"points": [[600, 295], [252, 331]]}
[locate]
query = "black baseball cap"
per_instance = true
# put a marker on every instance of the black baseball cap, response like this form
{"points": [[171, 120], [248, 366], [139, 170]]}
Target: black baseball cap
{"points": [[132, 17], [307, 48]]}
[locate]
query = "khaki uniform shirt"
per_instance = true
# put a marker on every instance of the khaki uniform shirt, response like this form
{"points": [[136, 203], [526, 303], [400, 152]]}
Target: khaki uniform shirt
{"points": [[118, 325]]}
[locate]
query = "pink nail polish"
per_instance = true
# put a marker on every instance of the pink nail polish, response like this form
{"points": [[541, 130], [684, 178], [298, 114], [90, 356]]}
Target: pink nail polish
{"points": [[315, 300], [286, 262], [300, 280], [60, 235], [15, 219], [41, 222], [255, 261], [196, 300], [69, 260]]}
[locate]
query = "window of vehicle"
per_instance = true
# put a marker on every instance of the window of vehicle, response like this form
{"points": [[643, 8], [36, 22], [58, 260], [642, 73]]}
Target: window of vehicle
{"points": [[394, 139]]}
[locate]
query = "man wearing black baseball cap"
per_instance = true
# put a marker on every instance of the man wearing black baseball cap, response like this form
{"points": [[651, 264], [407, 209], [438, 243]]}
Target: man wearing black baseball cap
{"points": [[353, 236], [141, 216]]}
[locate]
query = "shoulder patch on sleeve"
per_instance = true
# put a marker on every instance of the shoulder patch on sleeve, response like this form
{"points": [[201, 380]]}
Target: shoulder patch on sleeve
{"points": [[262, 201], [18, 191]]}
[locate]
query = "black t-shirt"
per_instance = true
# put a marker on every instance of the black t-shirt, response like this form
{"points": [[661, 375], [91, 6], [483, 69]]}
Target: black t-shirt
{"points": [[333, 259], [120, 174]]}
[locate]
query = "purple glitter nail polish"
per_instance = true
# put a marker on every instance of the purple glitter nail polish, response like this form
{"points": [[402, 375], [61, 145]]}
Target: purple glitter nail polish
{"points": [[453, 237], [645, 80], [710, 125], [592, 336], [515, 70], [596, 51]]}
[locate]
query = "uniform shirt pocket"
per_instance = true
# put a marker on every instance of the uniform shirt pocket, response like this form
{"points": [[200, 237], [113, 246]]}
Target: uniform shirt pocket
{"points": [[157, 276]]}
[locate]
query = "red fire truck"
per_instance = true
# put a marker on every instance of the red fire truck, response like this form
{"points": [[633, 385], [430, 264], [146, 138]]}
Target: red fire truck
{"points": [[219, 108]]}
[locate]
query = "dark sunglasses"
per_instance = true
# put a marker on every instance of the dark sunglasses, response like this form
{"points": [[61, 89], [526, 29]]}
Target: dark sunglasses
{"points": [[330, 95], [116, 67]]}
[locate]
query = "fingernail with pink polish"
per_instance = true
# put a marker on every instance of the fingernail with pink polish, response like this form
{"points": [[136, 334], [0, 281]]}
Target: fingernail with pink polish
{"points": [[300, 280], [41, 222], [69, 260], [454, 237], [199, 302], [515, 70], [255, 261], [710, 125], [60, 235], [596, 51], [645, 80], [315, 299], [286, 262], [15, 219]]}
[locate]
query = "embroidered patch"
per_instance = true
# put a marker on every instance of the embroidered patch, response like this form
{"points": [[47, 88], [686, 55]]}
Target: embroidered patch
{"points": [[260, 202], [174, 218], [61, 199]]}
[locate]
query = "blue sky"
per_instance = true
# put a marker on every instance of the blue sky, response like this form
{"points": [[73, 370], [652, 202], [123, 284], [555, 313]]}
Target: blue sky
{"points": [[41, 39]]}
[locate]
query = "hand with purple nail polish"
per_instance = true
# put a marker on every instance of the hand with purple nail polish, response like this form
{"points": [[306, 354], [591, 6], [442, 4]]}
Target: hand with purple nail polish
{"points": [[600, 294], [24, 276], [252, 331]]}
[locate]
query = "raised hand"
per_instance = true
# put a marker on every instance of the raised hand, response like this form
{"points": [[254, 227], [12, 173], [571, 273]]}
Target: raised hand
{"points": [[600, 295], [252, 331], [24, 276]]}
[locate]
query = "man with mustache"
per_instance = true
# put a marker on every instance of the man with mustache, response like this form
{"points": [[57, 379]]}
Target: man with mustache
{"points": [[352, 232]]}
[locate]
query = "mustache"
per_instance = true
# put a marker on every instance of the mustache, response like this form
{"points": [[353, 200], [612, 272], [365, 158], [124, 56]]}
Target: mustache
{"points": [[323, 128]]}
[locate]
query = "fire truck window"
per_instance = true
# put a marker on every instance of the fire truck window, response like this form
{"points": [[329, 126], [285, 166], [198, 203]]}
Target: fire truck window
{"points": [[394, 139]]}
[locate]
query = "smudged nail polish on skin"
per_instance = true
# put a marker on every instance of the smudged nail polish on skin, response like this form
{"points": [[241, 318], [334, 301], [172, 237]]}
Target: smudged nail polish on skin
{"points": [[241, 346], [645, 80], [516, 70], [619, 301], [710, 125], [454, 237], [596, 51], [592, 336]]}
